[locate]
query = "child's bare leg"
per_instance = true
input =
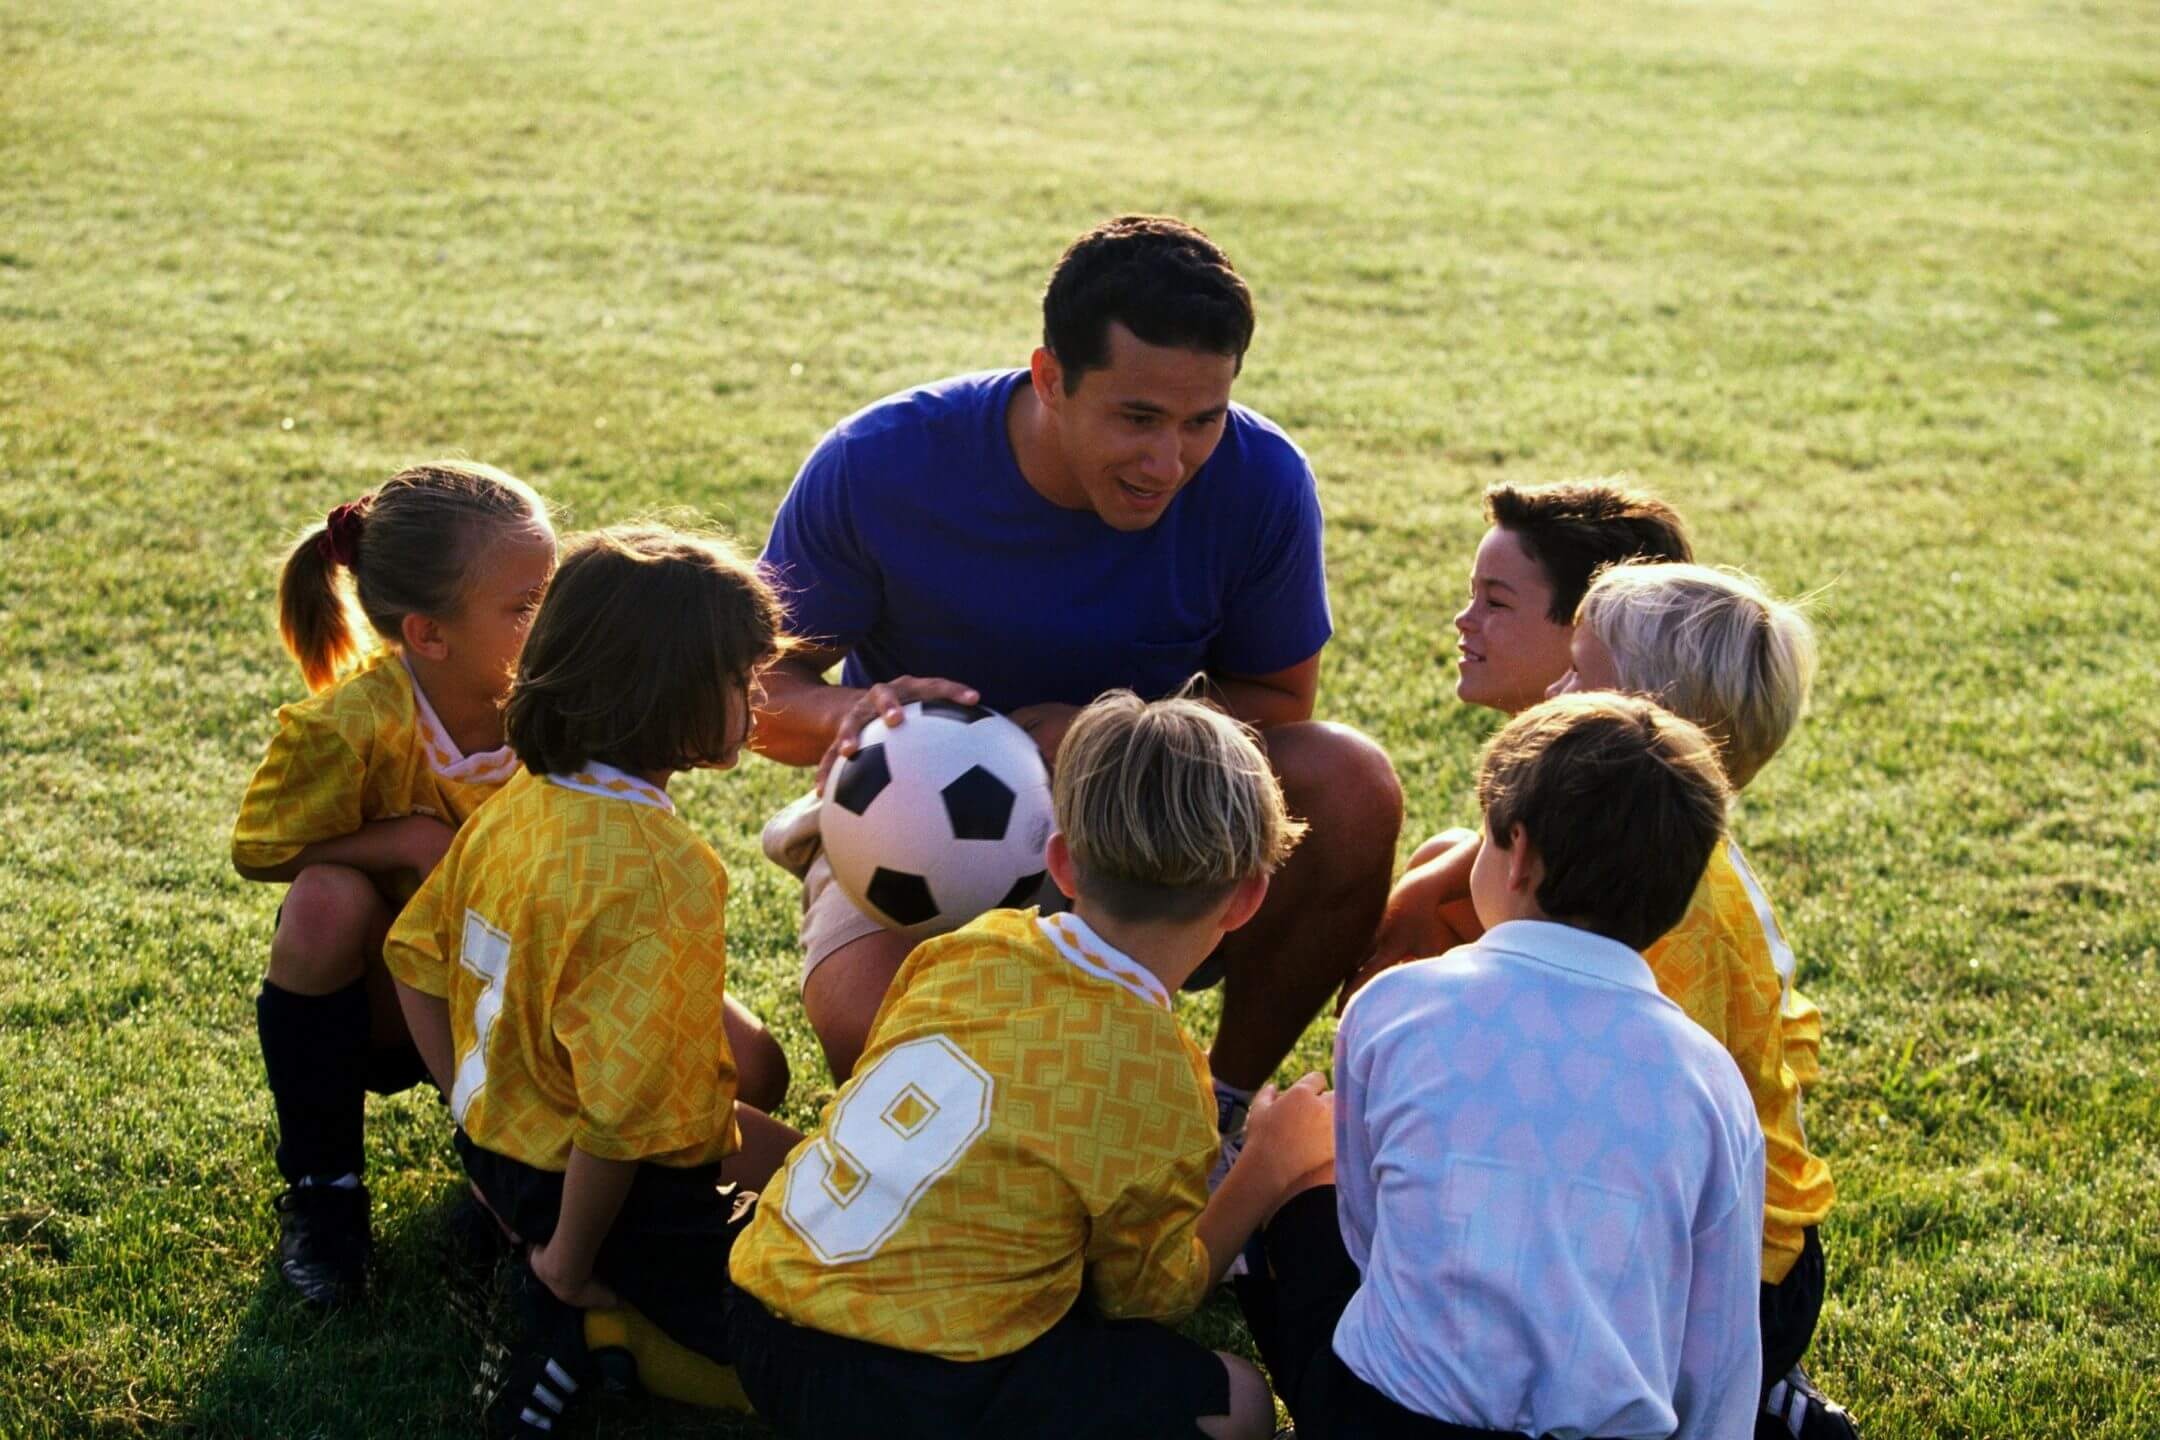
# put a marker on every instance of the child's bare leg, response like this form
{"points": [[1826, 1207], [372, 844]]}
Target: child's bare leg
{"points": [[761, 1066], [1252, 1407], [765, 1143]]}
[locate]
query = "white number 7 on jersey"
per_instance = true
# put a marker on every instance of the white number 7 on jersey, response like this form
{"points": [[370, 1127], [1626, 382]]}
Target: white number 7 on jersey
{"points": [[485, 951], [902, 1123]]}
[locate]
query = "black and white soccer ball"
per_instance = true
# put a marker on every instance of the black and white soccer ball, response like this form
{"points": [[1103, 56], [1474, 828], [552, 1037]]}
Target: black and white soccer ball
{"points": [[933, 821]]}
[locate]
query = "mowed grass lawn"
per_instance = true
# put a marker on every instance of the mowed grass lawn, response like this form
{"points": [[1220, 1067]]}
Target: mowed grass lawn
{"points": [[1871, 292]]}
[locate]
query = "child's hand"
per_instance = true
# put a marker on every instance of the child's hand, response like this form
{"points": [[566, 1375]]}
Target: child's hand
{"points": [[1292, 1132], [423, 840], [579, 1291]]}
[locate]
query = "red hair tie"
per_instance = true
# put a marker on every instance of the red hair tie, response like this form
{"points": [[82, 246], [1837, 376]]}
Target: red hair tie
{"points": [[340, 542]]}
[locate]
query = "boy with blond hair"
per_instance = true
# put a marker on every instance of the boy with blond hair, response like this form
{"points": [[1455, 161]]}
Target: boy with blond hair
{"points": [[1713, 646], [1545, 1216], [1011, 1190]]}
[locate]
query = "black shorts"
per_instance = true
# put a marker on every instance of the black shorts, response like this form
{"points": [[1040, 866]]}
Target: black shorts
{"points": [[1293, 1305], [1790, 1309], [1085, 1376], [667, 1252]]}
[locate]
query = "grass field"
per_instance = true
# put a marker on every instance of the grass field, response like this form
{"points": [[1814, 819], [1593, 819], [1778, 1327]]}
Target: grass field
{"points": [[1871, 292]]}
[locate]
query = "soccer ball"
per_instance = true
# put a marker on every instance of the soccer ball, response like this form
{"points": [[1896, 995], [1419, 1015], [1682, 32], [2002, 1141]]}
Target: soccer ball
{"points": [[933, 821]]}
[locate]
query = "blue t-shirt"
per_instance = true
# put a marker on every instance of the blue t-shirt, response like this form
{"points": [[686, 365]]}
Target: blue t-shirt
{"points": [[911, 540]]}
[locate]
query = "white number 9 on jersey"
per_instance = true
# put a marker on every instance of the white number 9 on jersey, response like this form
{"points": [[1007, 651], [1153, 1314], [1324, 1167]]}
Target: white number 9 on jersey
{"points": [[902, 1123]]}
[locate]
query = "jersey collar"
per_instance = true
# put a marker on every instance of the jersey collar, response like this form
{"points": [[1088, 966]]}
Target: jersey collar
{"points": [[614, 784], [443, 756], [1077, 941], [1566, 948]]}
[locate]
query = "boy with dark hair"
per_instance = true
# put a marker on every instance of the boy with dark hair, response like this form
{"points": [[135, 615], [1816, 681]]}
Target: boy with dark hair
{"points": [[1531, 569], [1011, 1190], [1546, 1215], [564, 968]]}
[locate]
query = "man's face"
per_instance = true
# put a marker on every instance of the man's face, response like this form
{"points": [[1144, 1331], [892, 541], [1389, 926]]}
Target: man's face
{"points": [[1132, 432]]}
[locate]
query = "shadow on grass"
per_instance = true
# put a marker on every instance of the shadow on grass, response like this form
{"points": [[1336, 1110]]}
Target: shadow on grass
{"points": [[408, 1364]]}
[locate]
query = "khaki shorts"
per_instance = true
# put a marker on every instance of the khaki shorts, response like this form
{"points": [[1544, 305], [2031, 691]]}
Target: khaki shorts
{"points": [[830, 920]]}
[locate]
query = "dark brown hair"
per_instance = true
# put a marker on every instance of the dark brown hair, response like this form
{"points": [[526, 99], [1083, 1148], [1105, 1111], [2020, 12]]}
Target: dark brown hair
{"points": [[1160, 278], [1577, 527], [645, 636], [1623, 800], [408, 548]]}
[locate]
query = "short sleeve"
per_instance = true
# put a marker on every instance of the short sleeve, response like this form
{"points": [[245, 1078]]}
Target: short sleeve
{"points": [[416, 951], [1145, 1259], [815, 557], [1278, 615], [307, 789], [645, 1032]]}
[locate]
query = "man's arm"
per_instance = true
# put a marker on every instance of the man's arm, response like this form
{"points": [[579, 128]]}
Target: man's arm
{"points": [[802, 719], [1281, 698]]}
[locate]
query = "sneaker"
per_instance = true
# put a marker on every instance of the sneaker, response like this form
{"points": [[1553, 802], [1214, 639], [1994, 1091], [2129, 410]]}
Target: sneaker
{"points": [[324, 1241], [1804, 1412]]}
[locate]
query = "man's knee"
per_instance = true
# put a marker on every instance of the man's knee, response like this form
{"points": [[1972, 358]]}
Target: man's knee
{"points": [[1342, 784]]}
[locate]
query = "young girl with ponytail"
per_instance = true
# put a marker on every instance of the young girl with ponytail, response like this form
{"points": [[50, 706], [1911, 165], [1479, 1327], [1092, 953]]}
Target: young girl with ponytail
{"points": [[364, 785]]}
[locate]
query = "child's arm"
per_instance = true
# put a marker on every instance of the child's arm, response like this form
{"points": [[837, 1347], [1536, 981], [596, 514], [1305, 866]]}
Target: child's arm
{"points": [[428, 1018], [411, 842], [1289, 1146], [593, 1193], [1428, 913]]}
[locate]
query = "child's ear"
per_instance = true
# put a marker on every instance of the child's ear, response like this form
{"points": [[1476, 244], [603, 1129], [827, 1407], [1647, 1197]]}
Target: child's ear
{"points": [[1525, 867], [423, 636], [1245, 901], [1057, 859]]}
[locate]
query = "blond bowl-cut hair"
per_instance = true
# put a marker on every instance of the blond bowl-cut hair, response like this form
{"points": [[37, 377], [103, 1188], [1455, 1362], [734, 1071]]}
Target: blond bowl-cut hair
{"points": [[1167, 806], [1711, 645]]}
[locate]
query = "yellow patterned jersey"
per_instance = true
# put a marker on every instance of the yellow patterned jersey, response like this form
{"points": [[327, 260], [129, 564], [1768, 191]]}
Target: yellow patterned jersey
{"points": [[1028, 1117], [368, 748], [1727, 965], [576, 928]]}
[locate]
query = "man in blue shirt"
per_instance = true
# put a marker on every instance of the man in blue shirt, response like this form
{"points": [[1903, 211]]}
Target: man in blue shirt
{"points": [[1029, 539]]}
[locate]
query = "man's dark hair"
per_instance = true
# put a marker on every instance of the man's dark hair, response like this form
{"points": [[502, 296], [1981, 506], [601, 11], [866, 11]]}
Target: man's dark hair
{"points": [[1624, 802], [643, 651], [1576, 528], [1160, 278]]}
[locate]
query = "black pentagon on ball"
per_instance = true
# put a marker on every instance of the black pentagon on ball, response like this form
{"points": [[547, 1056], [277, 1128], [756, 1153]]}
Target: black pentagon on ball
{"points": [[954, 710], [904, 898], [1022, 892], [978, 805], [862, 776]]}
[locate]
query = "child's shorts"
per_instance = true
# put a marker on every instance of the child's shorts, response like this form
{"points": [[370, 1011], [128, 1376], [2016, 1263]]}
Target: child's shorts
{"points": [[1085, 1376], [667, 1252]]}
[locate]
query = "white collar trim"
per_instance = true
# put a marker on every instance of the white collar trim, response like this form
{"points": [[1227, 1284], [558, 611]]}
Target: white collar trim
{"points": [[1564, 947], [612, 784], [443, 755], [1077, 941]]}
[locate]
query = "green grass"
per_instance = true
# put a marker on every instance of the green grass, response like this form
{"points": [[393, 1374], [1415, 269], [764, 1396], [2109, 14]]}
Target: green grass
{"points": [[1868, 291]]}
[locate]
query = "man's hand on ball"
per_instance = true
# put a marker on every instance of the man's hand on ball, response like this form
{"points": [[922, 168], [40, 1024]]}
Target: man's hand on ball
{"points": [[1292, 1133], [1046, 725], [883, 702]]}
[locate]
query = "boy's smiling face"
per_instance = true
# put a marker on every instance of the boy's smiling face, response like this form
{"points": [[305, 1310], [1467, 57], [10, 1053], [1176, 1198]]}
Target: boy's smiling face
{"points": [[1511, 649]]}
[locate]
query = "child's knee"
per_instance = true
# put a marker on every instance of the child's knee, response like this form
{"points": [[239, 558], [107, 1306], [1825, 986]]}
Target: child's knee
{"points": [[1252, 1406], [331, 916], [1439, 845], [761, 1071]]}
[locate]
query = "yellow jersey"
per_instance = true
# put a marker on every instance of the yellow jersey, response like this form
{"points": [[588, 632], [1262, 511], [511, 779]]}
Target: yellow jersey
{"points": [[576, 929], [368, 748], [1028, 1117], [1727, 965]]}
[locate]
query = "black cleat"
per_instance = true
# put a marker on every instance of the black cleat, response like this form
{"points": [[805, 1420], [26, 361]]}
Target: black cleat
{"points": [[538, 1390], [324, 1242], [1795, 1407]]}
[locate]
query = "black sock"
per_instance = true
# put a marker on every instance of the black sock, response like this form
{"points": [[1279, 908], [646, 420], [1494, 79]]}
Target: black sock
{"points": [[315, 1051]]}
